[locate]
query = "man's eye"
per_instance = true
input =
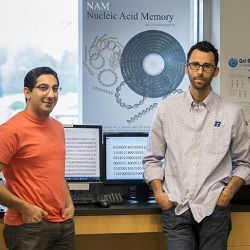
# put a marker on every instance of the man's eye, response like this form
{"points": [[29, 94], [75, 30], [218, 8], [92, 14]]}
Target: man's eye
{"points": [[207, 66], [55, 89], [196, 64], [43, 88]]}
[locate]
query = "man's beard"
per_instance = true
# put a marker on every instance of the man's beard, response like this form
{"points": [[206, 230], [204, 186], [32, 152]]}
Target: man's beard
{"points": [[200, 86]]}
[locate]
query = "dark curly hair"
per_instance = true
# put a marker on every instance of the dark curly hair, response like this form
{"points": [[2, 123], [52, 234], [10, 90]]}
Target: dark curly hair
{"points": [[205, 47], [30, 79]]}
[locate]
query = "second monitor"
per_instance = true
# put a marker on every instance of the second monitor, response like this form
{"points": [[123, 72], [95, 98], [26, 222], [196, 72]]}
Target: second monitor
{"points": [[123, 153], [123, 157]]}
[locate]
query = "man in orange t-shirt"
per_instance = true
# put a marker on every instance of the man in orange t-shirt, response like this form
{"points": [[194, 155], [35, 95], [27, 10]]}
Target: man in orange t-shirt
{"points": [[32, 158]]}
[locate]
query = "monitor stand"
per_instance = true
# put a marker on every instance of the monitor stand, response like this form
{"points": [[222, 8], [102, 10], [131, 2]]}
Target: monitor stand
{"points": [[140, 192]]}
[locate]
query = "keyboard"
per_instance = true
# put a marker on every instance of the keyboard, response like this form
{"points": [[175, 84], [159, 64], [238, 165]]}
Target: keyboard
{"points": [[112, 198], [80, 197], [83, 198]]}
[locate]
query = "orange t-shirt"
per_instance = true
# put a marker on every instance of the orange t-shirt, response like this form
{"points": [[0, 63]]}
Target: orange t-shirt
{"points": [[34, 152]]}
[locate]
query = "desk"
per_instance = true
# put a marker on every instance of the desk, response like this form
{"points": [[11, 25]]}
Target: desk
{"points": [[139, 232], [133, 226]]}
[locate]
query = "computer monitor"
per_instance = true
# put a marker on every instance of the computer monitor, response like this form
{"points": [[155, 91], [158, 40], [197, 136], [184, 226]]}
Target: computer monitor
{"points": [[83, 150], [123, 153]]}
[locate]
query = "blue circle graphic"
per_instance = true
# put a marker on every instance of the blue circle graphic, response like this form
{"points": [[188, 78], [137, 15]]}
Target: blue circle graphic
{"points": [[165, 46], [233, 62]]}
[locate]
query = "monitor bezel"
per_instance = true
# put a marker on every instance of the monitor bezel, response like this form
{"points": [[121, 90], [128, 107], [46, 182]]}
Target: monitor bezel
{"points": [[104, 168], [99, 128]]}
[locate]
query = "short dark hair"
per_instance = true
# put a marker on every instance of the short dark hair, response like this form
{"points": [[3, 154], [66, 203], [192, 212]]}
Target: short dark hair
{"points": [[205, 47], [30, 79]]}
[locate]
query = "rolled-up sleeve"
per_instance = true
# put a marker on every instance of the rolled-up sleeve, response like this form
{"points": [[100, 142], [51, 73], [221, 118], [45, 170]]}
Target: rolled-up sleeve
{"points": [[155, 150], [240, 149]]}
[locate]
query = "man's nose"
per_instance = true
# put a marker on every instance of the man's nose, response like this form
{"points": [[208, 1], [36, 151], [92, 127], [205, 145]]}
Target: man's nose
{"points": [[200, 70]]}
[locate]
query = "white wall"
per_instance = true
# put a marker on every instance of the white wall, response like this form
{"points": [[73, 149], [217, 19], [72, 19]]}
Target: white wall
{"points": [[235, 32], [227, 26], [234, 42]]}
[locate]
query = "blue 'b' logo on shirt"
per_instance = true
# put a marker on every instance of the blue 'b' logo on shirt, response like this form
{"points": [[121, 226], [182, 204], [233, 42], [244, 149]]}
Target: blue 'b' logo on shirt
{"points": [[217, 124]]}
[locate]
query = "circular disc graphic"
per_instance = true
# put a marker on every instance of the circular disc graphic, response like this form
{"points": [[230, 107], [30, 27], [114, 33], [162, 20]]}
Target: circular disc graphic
{"points": [[152, 63]]}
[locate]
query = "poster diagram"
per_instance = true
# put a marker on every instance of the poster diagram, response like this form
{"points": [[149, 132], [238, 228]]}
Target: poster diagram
{"points": [[128, 70], [238, 87], [152, 63]]}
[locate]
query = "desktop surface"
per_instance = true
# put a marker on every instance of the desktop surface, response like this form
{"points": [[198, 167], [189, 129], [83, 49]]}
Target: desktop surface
{"points": [[128, 207], [133, 207]]}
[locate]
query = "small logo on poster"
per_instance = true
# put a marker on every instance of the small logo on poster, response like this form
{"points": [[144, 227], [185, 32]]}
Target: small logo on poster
{"points": [[232, 62]]}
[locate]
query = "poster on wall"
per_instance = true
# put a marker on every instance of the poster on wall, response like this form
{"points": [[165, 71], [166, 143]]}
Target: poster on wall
{"points": [[238, 87], [133, 56]]}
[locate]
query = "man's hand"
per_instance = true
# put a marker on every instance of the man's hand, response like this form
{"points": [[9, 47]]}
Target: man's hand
{"points": [[224, 198], [68, 212], [229, 191], [162, 200], [160, 196], [33, 214]]}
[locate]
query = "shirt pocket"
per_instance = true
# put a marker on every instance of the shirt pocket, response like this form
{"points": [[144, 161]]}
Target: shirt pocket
{"points": [[217, 139]]}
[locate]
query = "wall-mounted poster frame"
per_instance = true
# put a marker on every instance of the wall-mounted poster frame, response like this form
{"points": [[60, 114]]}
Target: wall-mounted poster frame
{"points": [[132, 56]]}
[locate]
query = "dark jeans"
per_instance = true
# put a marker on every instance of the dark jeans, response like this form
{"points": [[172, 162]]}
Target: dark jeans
{"points": [[182, 232], [40, 236]]}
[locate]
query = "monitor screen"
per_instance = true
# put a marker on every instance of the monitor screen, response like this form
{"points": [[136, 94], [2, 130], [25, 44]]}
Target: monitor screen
{"points": [[83, 146], [123, 153]]}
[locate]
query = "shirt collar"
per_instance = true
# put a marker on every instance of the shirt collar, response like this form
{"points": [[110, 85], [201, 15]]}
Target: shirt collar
{"points": [[207, 101]]}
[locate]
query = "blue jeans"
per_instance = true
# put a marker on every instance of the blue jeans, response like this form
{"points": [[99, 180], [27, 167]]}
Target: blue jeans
{"points": [[40, 236], [182, 232]]}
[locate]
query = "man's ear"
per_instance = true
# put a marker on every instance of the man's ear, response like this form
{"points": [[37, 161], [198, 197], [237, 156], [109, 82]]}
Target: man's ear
{"points": [[26, 92], [216, 71]]}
